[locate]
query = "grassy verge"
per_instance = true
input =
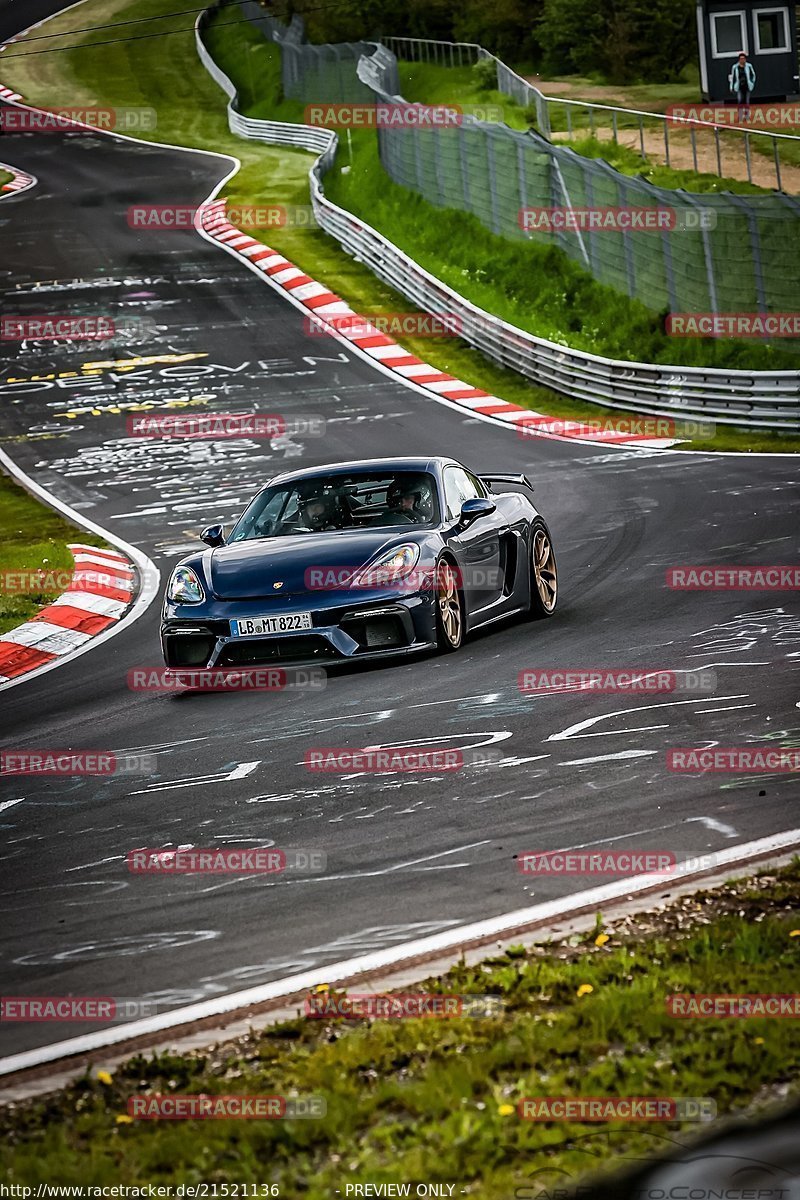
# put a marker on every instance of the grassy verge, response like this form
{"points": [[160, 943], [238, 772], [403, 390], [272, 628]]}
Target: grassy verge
{"points": [[5, 177], [165, 74], [457, 86], [531, 285], [34, 539], [437, 1099]]}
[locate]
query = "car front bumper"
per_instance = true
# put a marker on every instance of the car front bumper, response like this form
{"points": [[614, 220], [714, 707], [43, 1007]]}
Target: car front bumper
{"points": [[378, 626]]}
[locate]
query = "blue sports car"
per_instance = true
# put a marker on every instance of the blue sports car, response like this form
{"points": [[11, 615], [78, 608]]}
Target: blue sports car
{"points": [[361, 560]]}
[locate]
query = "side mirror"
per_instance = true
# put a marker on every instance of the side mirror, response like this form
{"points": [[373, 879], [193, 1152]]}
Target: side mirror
{"points": [[477, 506], [213, 536]]}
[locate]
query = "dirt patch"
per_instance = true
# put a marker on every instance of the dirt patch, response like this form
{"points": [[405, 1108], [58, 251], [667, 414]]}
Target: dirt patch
{"points": [[732, 145], [681, 157]]}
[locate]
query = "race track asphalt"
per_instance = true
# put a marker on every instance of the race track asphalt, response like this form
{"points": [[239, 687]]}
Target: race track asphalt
{"points": [[406, 855]]}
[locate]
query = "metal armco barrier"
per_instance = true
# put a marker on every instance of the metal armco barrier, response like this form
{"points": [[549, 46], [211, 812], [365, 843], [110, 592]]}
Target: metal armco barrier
{"points": [[758, 399]]}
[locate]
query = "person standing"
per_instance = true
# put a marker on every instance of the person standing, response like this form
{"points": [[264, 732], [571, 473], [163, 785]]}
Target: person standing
{"points": [[742, 80]]}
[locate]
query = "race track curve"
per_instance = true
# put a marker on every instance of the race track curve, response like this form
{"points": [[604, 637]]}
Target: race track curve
{"points": [[406, 855]]}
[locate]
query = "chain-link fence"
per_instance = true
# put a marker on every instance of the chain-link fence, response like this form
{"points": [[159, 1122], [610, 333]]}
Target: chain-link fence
{"points": [[697, 253], [700, 253], [712, 147], [761, 399]]}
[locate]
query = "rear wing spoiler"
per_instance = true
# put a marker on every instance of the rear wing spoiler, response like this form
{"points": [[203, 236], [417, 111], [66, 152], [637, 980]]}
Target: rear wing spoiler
{"points": [[519, 480]]}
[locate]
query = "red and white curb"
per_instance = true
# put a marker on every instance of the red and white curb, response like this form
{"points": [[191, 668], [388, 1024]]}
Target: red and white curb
{"points": [[102, 588], [20, 182], [322, 303]]}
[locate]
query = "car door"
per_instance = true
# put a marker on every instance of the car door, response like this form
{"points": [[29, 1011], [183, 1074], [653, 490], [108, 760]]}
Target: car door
{"points": [[477, 547]]}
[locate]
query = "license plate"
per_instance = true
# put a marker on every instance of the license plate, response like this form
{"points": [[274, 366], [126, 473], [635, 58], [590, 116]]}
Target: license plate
{"points": [[286, 623]]}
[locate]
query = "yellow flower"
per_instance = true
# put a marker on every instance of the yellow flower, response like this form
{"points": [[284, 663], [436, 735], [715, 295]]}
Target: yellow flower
{"points": [[795, 933], [584, 989], [124, 1119], [601, 939], [104, 1077], [506, 1110], [758, 1041], [321, 987]]}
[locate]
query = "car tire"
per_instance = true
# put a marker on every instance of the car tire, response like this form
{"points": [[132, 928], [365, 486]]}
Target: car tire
{"points": [[543, 573], [449, 608]]}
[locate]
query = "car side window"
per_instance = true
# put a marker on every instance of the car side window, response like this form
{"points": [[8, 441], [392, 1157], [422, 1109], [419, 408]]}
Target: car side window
{"points": [[458, 487]]}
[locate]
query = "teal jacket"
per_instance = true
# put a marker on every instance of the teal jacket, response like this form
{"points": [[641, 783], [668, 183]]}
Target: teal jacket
{"points": [[750, 76]]}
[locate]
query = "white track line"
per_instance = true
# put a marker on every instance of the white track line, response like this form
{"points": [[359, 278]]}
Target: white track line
{"points": [[441, 943], [393, 375]]}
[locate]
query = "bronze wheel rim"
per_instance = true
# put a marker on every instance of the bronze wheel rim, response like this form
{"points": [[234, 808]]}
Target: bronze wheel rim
{"points": [[449, 604], [544, 570]]}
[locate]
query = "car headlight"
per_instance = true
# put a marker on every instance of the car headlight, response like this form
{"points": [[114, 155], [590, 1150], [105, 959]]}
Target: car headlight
{"points": [[392, 565], [184, 587]]}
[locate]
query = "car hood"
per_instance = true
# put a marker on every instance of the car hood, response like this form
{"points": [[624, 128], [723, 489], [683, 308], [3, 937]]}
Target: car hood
{"points": [[301, 564]]}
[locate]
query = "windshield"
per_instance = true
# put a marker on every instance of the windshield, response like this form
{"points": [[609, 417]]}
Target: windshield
{"points": [[340, 502]]}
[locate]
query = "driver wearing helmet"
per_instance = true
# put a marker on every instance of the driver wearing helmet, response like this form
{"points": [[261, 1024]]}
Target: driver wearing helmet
{"points": [[315, 512], [405, 501]]}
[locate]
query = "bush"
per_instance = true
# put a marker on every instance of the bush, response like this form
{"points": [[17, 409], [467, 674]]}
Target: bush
{"points": [[623, 40], [532, 116], [485, 72], [506, 27]]}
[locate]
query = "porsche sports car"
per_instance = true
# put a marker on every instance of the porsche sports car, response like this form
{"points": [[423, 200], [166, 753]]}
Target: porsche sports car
{"points": [[361, 560]]}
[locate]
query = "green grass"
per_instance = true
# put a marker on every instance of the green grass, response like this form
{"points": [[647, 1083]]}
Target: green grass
{"points": [[434, 84], [457, 86], [533, 286], [656, 98], [629, 162], [5, 177], [435, 1100], [191, 112], [34, 539]]}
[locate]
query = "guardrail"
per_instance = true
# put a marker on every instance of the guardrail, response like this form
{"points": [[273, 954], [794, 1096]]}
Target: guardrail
{"points": [[758, 399], [526, 94]]}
